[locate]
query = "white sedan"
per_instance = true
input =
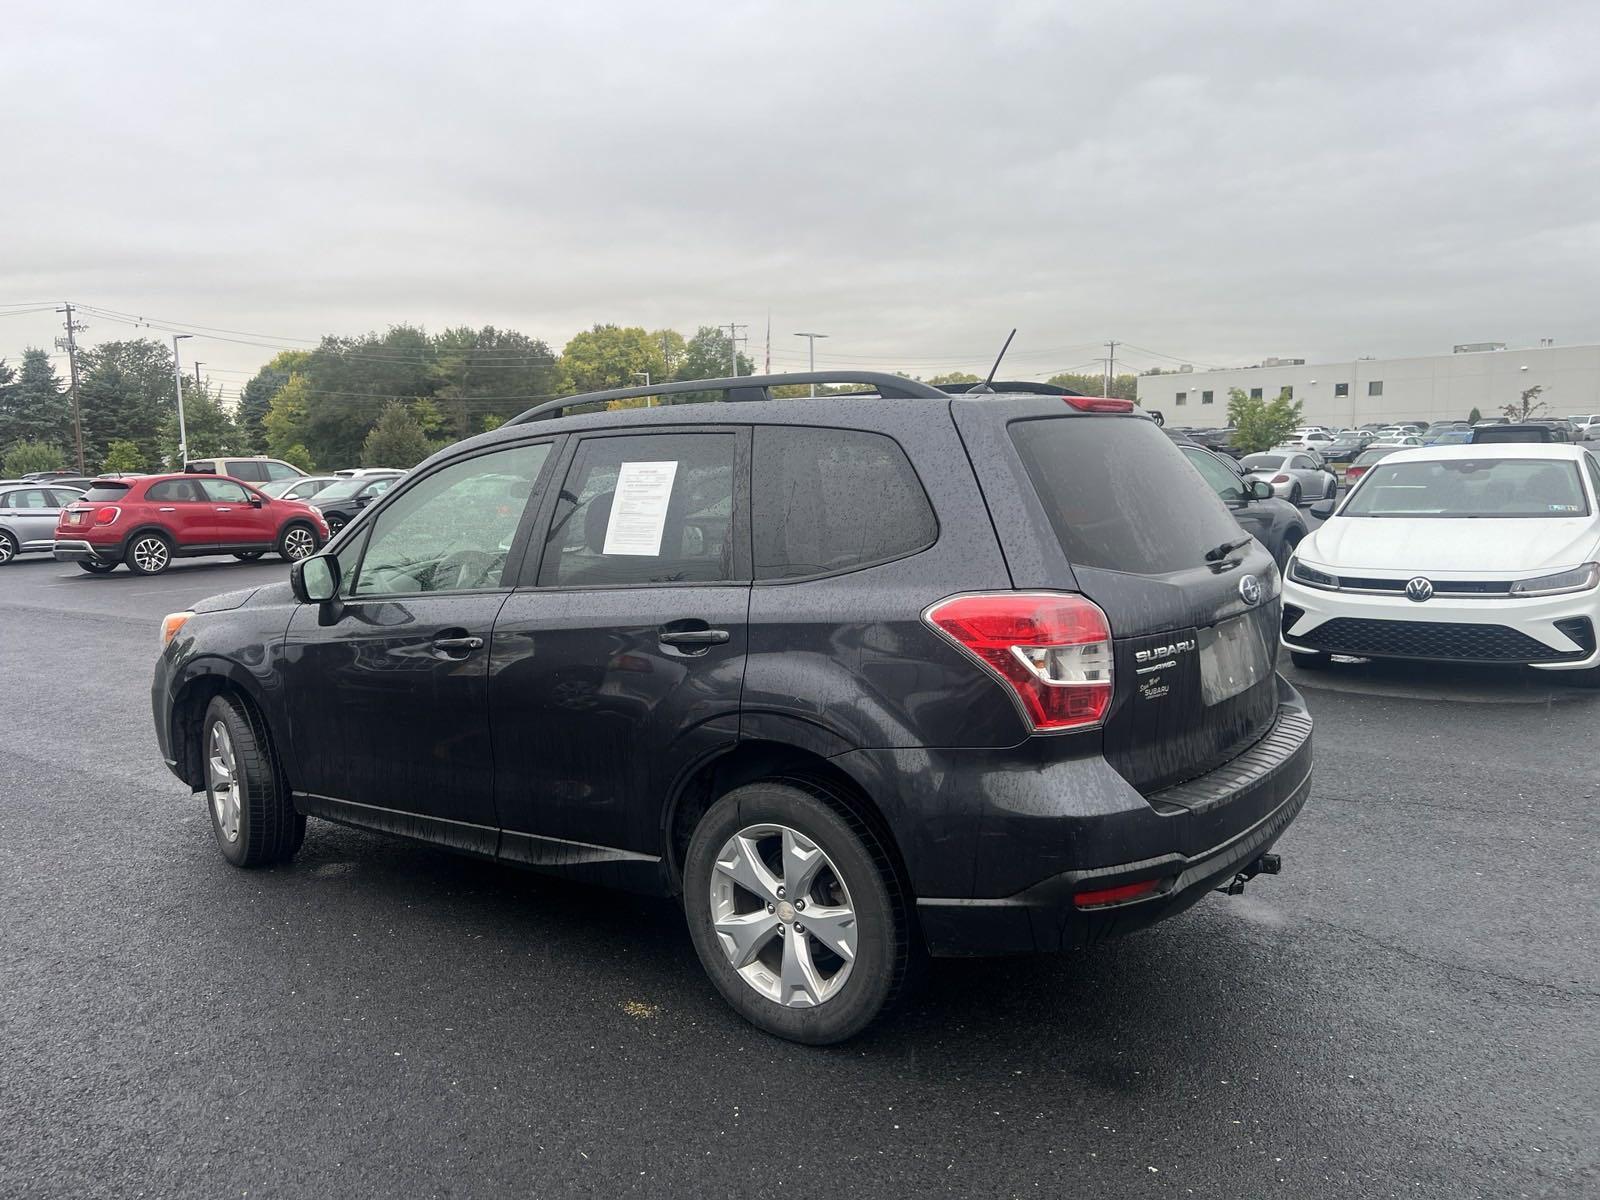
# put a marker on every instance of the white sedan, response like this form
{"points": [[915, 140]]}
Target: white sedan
{"points": [[1486, 554]]}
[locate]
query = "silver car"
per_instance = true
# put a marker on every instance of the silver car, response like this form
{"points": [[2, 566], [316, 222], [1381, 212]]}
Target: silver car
{"points": [[29, 511], [1293, 474], [299, 489]]}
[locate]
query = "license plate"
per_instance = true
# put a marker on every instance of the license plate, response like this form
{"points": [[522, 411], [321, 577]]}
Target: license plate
{"points": [[75, 518], [1234, 657]]}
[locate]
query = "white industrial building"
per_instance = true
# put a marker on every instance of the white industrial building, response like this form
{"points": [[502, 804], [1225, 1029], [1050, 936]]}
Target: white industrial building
{"points": [[1436, 387]]}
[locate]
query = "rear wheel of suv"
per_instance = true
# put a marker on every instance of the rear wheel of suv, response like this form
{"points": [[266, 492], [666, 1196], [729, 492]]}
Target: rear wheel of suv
{"points": [[248, 555], [796, 912], [296, 542], [8, 547], [149, 554], [97, 568], [254, 820], [1310, 660]]}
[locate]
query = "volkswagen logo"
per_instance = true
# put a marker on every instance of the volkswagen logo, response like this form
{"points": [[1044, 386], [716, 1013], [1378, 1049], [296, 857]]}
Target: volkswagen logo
{"points": [[1419, 589], [1250, 590]]}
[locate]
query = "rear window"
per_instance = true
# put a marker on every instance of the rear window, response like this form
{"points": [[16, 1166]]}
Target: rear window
{"points": [[1263, 462], [1503, 435], [828, 500], [1119, 495], [109, 490]]}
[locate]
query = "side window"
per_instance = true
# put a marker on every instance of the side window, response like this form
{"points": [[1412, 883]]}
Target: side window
{"points": [[5, 500], [1302, 463], [452, 530], [32, 498], [1593, 464], [251, 472], [224, 491], [646, 508], [280, 471], [63, 496], [1223, 481], [171, 490], [826, 500]]}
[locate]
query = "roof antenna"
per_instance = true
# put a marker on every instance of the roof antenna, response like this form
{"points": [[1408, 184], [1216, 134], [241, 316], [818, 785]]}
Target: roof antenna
{"points": [[984, 388]]}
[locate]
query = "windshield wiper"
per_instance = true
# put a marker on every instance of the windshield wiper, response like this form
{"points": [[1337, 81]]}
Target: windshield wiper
{"points": [[1216, 554]]}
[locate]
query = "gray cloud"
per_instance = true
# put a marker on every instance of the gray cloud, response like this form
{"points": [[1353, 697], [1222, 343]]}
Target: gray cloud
{"points": [[1218, 183]]}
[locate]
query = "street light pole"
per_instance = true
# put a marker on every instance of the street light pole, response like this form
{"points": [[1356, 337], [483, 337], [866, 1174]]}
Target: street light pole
{"points": [[811, 341], [649, 401], [177, 382]]}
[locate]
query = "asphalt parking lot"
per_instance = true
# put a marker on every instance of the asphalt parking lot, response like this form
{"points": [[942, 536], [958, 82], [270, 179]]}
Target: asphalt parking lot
{"points": [[1411, 1009]]}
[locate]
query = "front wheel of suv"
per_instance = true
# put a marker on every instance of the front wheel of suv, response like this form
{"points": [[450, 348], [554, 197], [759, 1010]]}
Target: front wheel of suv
{"points": [[297, 542], [97, 568], [149, 554], [254, 820], [796, 912]]}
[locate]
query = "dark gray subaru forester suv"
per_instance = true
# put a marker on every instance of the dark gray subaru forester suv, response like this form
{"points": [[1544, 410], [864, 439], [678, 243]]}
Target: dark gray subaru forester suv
{"points": [[859, 677]]}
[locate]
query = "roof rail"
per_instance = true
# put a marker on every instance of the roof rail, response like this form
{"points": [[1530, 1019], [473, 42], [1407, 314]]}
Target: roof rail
{"points": [[741, 388], [1016, 385]]}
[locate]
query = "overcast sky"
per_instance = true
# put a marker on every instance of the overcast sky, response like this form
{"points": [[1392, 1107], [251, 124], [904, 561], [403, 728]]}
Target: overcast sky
{"points": [[1215, 182]]}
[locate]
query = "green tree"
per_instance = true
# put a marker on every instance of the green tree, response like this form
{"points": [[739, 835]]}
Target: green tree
{"points": [[123, 456], [297, 455], [33, 404], [1261, 424], [396, 440], [26, 457], [284, 427], [126, 393], [208, 425], [1125, 387], [1474, 416], [673, 348], [709, 355], [955, 377], [611, 356], [256, 396], [1529, 404]]}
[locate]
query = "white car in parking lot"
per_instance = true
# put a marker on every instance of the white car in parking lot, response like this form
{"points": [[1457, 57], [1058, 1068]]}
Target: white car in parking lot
{"points": [[1456, 553]]}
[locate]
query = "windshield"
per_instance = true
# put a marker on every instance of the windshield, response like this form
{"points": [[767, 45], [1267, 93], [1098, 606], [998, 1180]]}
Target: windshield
{"points": [[1263, 462], [1457, 487], [342, 490], [1368, 457]]}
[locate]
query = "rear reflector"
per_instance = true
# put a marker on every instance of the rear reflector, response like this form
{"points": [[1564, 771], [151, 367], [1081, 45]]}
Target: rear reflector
{"points": [[1099, 403], [1053, 650], [1115, 895]]}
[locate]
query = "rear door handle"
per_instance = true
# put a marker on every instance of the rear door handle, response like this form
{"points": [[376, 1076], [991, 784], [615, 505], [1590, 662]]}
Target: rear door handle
{"points": [[458, 645], [693, 637]]}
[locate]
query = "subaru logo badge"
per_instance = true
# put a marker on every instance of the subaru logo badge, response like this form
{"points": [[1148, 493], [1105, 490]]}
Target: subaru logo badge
{"points": [[1250, 590], [1419, 589]]}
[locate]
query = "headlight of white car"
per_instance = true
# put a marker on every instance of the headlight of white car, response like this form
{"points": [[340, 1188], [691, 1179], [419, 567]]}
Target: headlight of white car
{"points": [[1579, 579], [1311, 577]]}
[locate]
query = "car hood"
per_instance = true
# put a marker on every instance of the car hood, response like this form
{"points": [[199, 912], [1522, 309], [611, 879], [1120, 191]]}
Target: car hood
{"points": [[225, 601], [1482, 545]]}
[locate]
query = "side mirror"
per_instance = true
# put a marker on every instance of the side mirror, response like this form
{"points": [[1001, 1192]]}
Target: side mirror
{"points": [[363, 501], [315, 580], [1260, 489], [256, 501], [1322, 509]]}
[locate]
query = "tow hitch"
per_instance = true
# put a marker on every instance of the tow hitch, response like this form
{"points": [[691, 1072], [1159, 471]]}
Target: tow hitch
{"points": [[1267, 864]]}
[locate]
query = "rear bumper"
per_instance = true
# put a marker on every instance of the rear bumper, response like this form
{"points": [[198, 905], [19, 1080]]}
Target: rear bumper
{"points": [[78, 550], [1189, 839]]}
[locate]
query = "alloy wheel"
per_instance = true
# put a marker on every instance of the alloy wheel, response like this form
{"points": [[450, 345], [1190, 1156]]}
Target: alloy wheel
{"points": [[150, 554], [298, 543], [223, 786], [783, 915], [8, 548]]}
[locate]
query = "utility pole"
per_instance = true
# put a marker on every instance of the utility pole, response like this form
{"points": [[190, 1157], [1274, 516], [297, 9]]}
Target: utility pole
{"points": [[177, 382], [733, 347], [197, 367], [811, 342], [70, 344], [1111, 367], [649, 401]]}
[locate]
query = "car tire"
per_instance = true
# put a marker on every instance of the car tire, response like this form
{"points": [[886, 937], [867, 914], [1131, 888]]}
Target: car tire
{"points": [[1295, 495], [825, 997], [252, 816], [298, 540], [335, 523], [1331, 488], [1310, 660], [8, 547], [97, 568], [149, 553], [248, 555]]}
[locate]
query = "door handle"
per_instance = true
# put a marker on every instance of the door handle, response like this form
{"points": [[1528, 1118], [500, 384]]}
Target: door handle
{"points": [[693, 637], [458, 645], [224, 510], [169, 508]]}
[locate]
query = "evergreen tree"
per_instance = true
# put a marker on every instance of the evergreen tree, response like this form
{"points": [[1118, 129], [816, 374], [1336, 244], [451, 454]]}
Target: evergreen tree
{"points": [[396, 440]]}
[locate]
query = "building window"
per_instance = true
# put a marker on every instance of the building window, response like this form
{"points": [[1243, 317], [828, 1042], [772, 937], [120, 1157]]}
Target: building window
{"points": [[1287, 393], [1255, 393], [1375, 387], [1341, 389], [1183, 398], [1206, 397]]}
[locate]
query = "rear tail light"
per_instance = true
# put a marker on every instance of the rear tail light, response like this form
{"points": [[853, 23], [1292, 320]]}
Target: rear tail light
{"points": [[1120, 894], [1099, 403], [1280, 479], [107, 515], [1355, 472], [1053, 651]]}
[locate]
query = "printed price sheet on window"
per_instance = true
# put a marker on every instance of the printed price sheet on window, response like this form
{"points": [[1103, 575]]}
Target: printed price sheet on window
{"points": [[639, 508]]}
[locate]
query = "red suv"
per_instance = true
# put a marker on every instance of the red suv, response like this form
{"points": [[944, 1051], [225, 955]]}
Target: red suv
{"points": [[148, 521]]}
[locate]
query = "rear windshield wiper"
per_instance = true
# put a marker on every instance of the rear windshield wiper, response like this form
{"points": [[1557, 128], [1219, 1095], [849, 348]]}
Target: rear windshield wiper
{"points": [[1216, 554]]}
